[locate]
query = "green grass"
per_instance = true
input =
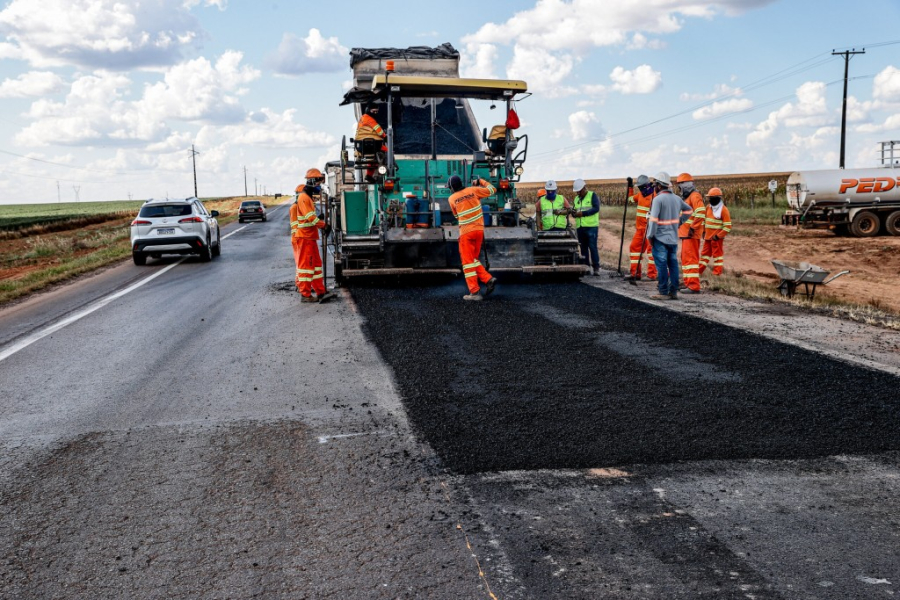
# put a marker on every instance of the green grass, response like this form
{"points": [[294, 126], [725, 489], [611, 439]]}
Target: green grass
{"points": [[17, 216]]}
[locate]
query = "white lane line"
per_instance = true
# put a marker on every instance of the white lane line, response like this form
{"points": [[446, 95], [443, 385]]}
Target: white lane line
{"points": [[29, 340], [324, 439], [38, 335]]}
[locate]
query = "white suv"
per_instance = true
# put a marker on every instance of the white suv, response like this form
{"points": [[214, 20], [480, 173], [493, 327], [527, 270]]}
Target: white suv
{"points": [[175, 227]]}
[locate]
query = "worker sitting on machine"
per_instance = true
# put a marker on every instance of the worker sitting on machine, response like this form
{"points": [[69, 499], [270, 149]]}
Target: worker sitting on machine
{"points": [[369, 141]]}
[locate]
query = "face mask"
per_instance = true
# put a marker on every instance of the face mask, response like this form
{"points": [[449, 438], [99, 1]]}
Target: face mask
{"points": [[551, 195], [316, 189], [715, 200], [686, 188], [646, 189]]}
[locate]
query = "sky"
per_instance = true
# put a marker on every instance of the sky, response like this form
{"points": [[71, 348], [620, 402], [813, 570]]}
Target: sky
{"points": [[103, 99]]}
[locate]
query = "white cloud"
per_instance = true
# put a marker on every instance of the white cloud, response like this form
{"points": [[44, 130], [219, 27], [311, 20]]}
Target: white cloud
{"points": [[810, 110], [892, 123], [542, 70], [477, 60], [640, 42], [584, 125], [642, 80], [722, 89], [312, 54], [98, 34], [725, 107], [33, 83], [579, 25], [273, 130], [886, 87]]}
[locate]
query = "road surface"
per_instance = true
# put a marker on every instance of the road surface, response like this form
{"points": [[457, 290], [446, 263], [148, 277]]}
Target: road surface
{"points": [[202, 434]]}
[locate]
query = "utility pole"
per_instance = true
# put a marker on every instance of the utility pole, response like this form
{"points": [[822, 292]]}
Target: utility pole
{"points": [[58, 195], [194, 154], [846, 54], [255, 187], [245, 182]]}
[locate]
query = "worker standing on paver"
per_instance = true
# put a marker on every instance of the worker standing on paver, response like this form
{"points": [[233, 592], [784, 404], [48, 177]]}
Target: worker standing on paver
{"points": [[369, 129], [466, 206], [666, 212], [691, 232], [640, 245], [718, 225], [305, 226], [586, 210], [552, 209]]}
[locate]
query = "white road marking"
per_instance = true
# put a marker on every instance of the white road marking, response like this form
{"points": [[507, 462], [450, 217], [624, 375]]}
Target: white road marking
{"points": [[41, 334], [38, 335], [324, 439]]}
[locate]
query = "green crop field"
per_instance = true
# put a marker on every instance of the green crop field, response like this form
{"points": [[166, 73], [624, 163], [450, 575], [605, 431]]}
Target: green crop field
{"points": [[18, 216]]}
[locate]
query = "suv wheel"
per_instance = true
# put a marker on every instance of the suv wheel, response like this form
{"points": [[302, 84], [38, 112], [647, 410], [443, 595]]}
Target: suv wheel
{"points": [[139, 258], [206, 254], [217, 249]]}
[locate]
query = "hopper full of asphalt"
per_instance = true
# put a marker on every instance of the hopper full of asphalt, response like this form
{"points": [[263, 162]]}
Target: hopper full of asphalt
{"points": [[572, 376]]}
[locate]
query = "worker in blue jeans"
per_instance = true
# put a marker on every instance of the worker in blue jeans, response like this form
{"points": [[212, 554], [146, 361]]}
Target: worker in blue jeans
{"points": [[586, 210], [667, 212]]}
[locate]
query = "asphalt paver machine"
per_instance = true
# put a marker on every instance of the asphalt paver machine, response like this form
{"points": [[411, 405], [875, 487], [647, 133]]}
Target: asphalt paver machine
{"points": [[388, 200]]}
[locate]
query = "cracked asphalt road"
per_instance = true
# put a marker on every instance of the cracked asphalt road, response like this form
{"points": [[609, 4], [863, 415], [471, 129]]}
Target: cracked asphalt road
{"points": [[206, 436]]}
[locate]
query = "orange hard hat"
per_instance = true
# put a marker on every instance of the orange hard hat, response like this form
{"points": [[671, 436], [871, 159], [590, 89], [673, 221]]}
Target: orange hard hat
{"points": [[541, 192], [714, 192], [314, 174], [299, 188], [684, 177]]}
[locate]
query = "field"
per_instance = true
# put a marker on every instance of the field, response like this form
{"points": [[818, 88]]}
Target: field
{"points": [[43, 244], [740, 190]]}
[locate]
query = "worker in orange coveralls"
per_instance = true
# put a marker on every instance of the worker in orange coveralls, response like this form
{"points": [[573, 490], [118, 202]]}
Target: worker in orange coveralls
{"points": [[466, 206], [640, 245], [305, 226], [369, 129], [691, 232], [718, 225]]}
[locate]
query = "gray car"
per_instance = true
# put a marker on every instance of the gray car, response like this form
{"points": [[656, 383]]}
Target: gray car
{"points": [[252, 209], [175, 227]]}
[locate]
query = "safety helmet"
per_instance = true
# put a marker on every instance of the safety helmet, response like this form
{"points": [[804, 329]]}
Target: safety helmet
{"points": [[541, 193], [684, 177], [299, 188], [578, 185], [714, 192], [455, 183], [663, 179], [550, 186], [642, 180], [314, 174]]}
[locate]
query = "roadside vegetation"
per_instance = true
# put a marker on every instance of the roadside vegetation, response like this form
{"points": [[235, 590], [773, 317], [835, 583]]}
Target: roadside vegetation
{"points": [[44, 244]]}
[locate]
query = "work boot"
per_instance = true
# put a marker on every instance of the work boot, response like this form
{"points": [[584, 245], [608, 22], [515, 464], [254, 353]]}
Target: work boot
{"points": [[596, 273], [326, 296], [690, 291], [476, 297], [663, 297], [673, 296], [630, 278], [307, 299], [489, 286]]}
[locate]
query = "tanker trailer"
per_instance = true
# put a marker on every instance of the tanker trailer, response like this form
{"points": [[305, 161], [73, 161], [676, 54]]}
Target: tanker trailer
{"points": [[858, 202]]}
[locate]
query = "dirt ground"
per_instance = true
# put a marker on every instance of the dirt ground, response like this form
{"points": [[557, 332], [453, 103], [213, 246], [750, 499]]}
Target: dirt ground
{"points": [[874, 263]]}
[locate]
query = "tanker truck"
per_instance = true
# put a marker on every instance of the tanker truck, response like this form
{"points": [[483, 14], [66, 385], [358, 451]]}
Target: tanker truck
{"points": [[858, 202]]}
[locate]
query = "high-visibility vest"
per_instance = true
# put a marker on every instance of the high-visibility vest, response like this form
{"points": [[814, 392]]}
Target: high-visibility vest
{"points": [[304, 221], [643, 208], [693, 227], [720, 227], [466, 206], [582, 204], [548, 219]]}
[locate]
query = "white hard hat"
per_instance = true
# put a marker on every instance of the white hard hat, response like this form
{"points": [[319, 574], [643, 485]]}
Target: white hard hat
{"points": [[578, 185], [663, 179], [550, 186]]}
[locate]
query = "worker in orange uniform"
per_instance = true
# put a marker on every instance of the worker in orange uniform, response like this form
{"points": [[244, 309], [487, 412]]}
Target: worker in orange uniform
{"points": [[640, 245], [305, 226], [691, 232], [466, 206], [718, 225], [369, 129]]}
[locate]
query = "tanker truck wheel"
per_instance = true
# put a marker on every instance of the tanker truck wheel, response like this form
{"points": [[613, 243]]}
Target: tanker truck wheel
{"points": [[892, 223], [865, 224]]}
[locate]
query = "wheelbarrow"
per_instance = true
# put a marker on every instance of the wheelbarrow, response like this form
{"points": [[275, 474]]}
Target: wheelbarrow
{"points": [[794, 274]]}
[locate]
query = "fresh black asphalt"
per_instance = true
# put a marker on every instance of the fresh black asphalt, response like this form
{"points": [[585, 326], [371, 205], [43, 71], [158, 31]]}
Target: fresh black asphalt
{"points": [[571, 376]]}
